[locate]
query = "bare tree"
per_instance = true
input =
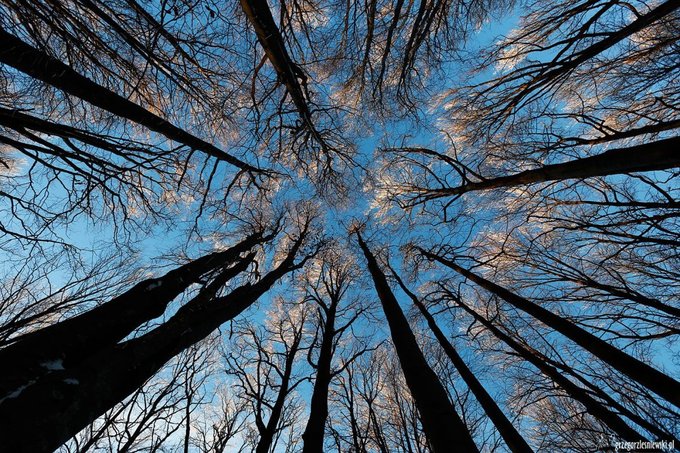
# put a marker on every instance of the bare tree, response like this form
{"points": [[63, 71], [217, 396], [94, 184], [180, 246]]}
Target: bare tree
{"points": [[655, 380], [513, 439], [169, 166], [441, 423], [337, 310], [121, 368], [265, 365]]}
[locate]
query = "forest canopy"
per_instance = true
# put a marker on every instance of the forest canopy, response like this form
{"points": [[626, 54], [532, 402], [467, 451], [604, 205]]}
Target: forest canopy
{"points": [[353, 226]]}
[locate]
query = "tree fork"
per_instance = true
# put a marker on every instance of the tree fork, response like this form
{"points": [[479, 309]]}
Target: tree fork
{"points": [[267, 435]]}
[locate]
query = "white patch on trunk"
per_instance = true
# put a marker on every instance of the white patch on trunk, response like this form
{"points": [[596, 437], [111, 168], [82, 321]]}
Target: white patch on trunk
{"points": [[53, 365], [17, 391], [154, 285]]}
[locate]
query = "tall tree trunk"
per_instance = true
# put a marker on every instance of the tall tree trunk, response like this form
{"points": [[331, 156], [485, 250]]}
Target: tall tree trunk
{"points": [[68, 342], [441, 424], [69, 400], [658, 155], [267, 435], [260, 17], [594, 407], [658, 382], [318, 413], [513, 439], [39, 65]]}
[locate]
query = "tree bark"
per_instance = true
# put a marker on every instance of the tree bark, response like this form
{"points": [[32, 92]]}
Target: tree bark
{"points": [[441, 424]]}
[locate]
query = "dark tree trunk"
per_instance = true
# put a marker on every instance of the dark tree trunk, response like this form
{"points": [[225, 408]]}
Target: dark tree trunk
{"points": [[658, 382], [260, 17], [594, 407], [41, 66], [69, 400], [513, 439], [659, 155], [318, 413], [441, 424], [68, 342], [267, 435]]}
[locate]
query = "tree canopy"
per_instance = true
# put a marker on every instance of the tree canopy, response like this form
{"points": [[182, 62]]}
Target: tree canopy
{"points": [[315, 225]]}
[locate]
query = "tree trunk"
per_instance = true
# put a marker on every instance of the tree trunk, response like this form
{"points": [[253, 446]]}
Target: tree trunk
{"points": [[594, 407], [441, 424], [658, 382], [512, 438], [41, 66], [267, 435], [68, 342], [68, 401], [318, 413], [260, 17], [659, 155]]}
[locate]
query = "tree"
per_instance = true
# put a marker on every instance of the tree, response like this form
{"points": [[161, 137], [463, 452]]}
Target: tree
{"points": [[655, 380], [120, 368], [182, 180], [593, 406], [504, 426], [441, 423], [163, 407], [336, 274], [659, 155], [264, 364]]}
